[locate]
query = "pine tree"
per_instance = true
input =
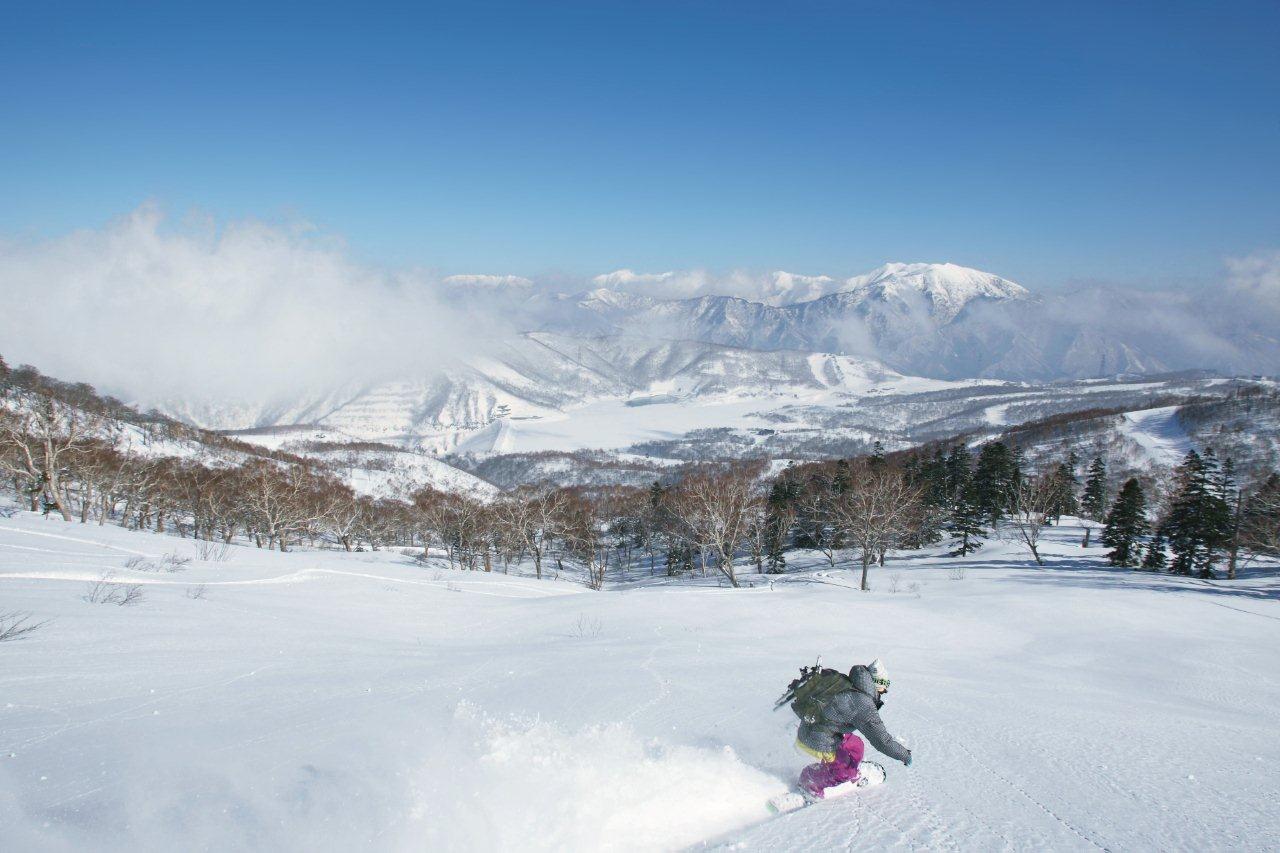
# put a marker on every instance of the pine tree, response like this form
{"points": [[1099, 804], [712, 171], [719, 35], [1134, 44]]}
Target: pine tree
{"points": [[1064, 491], [959, 471], [1094, 502], [967, 526], [877, 455], [1155, 560], [780, 515], [1228, 489], [1017, 465], [933, 477], [810, 522], [995, 480], [1126, 524], [843, 479], [1198, 518]]}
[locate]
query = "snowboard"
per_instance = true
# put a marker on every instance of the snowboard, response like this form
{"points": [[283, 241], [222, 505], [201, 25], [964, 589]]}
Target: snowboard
{"points": [[870, 774]]}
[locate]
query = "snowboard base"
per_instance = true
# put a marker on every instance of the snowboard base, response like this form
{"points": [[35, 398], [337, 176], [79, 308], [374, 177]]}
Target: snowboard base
{"points": [[870, 774]]}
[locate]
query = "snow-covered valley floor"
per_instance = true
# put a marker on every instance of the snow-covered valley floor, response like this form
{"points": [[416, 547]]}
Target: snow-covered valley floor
{"points": [[329, 701]]}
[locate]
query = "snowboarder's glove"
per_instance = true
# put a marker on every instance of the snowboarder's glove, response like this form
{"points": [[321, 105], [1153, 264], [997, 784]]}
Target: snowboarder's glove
{"points": [[906, 762]]}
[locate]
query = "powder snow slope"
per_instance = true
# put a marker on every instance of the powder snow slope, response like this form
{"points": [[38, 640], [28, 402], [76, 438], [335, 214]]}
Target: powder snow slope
{"points": [[1159, 434], [328, 701]]}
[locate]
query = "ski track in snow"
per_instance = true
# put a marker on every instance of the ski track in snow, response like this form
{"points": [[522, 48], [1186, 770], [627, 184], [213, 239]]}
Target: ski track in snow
{"points": [[1019, 790], [664, 686], [81, 541]]}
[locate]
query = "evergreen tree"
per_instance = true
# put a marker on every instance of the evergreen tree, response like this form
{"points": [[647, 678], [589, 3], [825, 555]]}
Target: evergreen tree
{"points": [[995, 480], [1126, 524], [1094, 502], [967, 522], [780, 514], [877, 456], [959, 471], [1228, 489], [933, 479], [1019, 458], [810, 522], [1064, 492], [1198, 518], [843, 479], [1155, 560]]}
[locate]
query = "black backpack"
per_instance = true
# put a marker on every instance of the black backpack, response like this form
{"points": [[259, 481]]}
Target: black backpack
{"points": [[810, 694]]}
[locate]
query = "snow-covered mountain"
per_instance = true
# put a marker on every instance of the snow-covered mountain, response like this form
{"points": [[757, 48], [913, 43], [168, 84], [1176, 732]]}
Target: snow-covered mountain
{"points": [[952, 322], [882, 308], [636, 336], [948, 288], [542, 375]]}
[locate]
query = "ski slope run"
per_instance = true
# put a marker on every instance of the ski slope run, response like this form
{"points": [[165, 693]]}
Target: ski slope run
{"points": [[330, 701], [1157, 431]]}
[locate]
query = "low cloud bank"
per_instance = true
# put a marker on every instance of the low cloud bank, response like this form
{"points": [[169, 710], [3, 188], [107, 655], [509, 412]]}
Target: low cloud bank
{"points": [[250, 313], [248, 310]]}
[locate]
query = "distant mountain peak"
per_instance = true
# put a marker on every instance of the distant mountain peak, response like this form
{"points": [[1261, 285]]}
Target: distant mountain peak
{"points": [[488, 282], [949, 287]]}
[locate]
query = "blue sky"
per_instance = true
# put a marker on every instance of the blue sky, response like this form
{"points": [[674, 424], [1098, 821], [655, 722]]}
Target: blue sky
{"points": [[1047, 142]]}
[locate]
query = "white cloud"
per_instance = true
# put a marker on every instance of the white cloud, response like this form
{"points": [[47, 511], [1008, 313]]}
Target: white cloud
{"points": [[773, 288], [251, 310], [1257, 277], [492, 282]]}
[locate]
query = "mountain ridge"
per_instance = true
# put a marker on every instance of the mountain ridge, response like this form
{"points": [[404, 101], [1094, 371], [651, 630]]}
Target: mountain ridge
{"points": [[615, 341]]}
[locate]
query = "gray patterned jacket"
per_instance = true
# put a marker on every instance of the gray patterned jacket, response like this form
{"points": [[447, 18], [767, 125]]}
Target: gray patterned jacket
{"points": [[852, 711]]}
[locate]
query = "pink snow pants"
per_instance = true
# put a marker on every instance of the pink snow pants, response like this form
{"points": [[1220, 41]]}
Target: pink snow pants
{"points": [[817, 777]]}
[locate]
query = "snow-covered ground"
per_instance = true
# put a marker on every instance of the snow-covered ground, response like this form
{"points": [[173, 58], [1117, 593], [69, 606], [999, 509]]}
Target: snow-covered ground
{"points": [[619, 423], [330, 701], [393, 472], [1159, 434]]}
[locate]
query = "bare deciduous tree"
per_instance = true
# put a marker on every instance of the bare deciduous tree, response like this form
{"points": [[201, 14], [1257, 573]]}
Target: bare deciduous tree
{"points": [[581, 525], [875, 512], [530, 518], [38, 441], [287, 502], [815, 508], [717, 506], [1034, 501], [1260, 518]]}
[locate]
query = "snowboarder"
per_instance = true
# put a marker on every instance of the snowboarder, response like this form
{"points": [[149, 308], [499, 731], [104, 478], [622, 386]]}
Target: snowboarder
{"points": [[833, 711]]}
